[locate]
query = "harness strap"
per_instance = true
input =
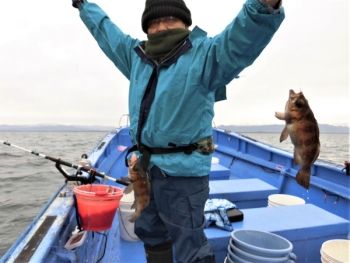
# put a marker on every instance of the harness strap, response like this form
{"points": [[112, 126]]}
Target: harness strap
{"points": [[147, 152]]}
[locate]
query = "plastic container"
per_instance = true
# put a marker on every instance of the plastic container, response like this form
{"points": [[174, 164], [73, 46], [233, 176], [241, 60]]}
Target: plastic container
{"points": [[126, 227], [261, 243], [214, 160], [97, 205], [76, 240], [323, 260], [233, 258], [254, 258], [335, 251], [284, 200]]}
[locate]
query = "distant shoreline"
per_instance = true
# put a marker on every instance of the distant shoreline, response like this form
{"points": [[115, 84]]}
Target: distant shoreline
{"points": [[56, 131], [277, 128], [273, 128], [55, 128]]}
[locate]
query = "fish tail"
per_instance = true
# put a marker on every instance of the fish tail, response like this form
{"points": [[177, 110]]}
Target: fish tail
{"points": [[303, 176], [134, 217]]}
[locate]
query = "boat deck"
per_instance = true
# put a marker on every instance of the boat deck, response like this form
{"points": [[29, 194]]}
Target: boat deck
{"points": [[306, 226], [294, 223]]}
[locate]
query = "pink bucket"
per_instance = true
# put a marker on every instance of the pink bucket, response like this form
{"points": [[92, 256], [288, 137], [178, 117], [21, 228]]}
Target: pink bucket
{"points": [[97, 205]]}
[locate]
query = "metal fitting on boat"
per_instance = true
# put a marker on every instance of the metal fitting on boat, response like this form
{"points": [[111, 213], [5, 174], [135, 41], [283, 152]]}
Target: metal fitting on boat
{"points": [[347, 167], [62, 194]]}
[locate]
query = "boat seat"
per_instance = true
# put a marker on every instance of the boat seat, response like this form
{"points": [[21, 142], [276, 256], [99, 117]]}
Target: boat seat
{"points": [[303, 225], [244, 193], [218, 172]]}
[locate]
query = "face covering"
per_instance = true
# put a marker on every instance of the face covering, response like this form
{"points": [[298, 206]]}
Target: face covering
{"points": [[164, 44]]}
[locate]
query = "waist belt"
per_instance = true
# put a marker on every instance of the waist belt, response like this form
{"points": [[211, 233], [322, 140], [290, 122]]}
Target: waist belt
{"points": [[148, 151]]}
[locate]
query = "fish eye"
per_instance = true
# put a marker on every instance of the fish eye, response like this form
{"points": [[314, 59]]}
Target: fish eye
{"points": [[299, 103]]}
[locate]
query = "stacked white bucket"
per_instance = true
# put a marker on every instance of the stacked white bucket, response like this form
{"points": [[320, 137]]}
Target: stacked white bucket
{"points": [[258, 246], [335, 251], [125, 211], [284, 200]]}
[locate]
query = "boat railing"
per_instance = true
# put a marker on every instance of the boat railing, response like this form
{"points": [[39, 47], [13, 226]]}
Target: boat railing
{"points": [[127, 120], [280, 162]]}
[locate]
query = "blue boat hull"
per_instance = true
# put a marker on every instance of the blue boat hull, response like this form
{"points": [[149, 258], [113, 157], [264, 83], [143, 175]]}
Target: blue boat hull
{"points": [[247, 173]]}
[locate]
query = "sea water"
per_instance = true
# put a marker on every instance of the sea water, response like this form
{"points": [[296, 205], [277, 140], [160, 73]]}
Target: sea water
{"points": [[29, 181]]}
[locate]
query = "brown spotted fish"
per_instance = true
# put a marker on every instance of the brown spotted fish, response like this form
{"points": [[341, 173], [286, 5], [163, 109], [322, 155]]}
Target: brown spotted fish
{"points": [[141, 186], [302, 128]]}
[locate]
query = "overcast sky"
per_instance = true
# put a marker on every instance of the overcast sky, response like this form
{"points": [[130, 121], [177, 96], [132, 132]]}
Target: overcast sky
{"points": [[53, 72]]}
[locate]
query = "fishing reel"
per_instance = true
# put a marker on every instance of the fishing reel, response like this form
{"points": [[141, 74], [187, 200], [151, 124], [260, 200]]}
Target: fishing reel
{"points": [[84, 165]]}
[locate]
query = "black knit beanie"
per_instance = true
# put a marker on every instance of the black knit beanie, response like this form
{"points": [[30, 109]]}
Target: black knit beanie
{"points": [[160, 8]]}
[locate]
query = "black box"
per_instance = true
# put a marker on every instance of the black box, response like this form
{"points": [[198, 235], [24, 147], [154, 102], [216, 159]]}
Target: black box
{"points": [[234, 215]]}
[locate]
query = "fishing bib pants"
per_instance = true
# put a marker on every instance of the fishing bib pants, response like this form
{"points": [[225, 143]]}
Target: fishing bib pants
{"points": [[175, 213]]}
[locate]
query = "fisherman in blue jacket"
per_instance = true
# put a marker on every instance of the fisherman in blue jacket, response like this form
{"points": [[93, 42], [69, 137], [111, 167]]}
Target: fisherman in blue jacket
{"points": [[176, 76]]}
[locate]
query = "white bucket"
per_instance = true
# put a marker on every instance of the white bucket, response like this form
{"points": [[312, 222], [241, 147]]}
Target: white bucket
{"points": [[126, 227], [335, 251], [214, 160], [259, 246], [284, 200]]}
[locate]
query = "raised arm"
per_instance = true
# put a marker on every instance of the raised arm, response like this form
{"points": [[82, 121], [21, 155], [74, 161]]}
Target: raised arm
{"points": [[114, 43], [241, 42]]}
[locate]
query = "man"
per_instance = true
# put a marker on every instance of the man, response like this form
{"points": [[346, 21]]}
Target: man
{"points": [[175, 78]]}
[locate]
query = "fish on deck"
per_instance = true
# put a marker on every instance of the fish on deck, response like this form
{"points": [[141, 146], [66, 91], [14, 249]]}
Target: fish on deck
{"points": [[141, 186], [302, 128]]}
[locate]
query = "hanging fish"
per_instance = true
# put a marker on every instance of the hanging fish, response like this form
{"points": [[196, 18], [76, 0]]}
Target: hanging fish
{"points": [[302, 128], [141, 186]]}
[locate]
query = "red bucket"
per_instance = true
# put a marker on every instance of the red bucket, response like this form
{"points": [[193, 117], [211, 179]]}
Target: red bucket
{"points": [[97, 205]]}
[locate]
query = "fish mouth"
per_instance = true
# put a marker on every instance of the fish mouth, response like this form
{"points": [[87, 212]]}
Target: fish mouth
{"points": [[291, 93]]}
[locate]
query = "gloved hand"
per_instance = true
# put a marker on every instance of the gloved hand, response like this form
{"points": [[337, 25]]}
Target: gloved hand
{"points": [[75, 2]]}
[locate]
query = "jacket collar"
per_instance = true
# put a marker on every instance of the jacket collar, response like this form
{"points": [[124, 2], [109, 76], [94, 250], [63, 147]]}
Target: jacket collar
{"points": [[197, 33]]}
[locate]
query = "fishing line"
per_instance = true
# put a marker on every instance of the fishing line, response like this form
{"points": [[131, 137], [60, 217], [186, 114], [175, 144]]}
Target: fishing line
{"points": [[85, 167]]}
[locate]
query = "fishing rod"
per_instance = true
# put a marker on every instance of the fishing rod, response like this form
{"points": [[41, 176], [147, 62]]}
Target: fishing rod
{"points": [[84, 165]]}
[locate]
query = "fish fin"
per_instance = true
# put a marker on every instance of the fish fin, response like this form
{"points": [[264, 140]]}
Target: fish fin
{"points": [[280, 115], [132, 160], [134, 205], [297, 159], [128, 189], [303, 176], [125, 179], [133, 217], [284, 134]]}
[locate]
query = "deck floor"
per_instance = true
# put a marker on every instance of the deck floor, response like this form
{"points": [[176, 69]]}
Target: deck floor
{"points": [[304, 225]]}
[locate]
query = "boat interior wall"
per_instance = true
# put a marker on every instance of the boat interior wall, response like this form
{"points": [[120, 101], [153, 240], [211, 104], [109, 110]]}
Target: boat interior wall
{"points": [[244, 193], [244, 158], [249, 157], [219, 172]]}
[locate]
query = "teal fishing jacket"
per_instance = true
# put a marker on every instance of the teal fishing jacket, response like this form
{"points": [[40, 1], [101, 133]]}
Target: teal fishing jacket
{"points": [[186, 84]]}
